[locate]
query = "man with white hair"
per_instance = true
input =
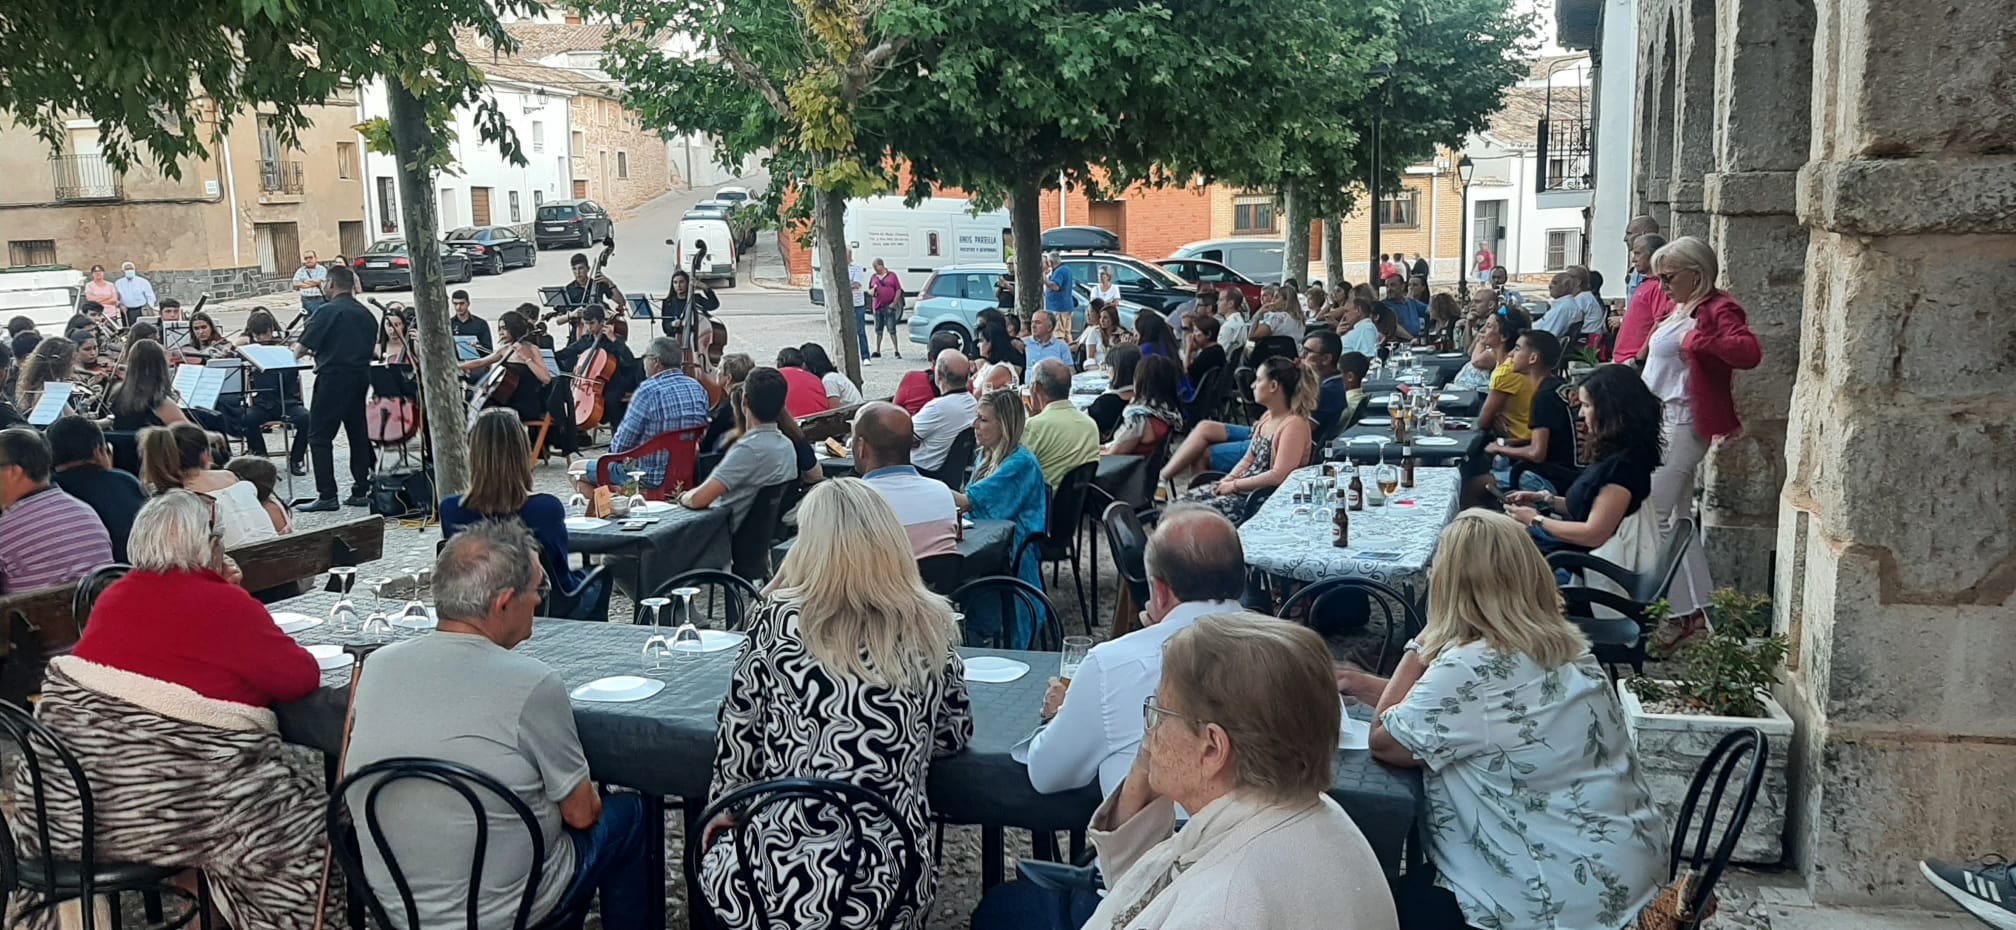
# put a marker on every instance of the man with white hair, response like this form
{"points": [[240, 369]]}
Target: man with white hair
{"points": [[1041, 343], [1060, 436], [136, 293], [948, 414], [460, 694]]}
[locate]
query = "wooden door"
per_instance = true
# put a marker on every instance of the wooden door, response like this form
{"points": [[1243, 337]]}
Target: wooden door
{"points": [[1111, 215], [479, 206], [580, 188]]}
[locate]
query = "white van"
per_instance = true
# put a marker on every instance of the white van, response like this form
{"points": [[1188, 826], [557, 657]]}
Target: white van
{"points": [[1259, 259], [915, 242], [711, 228]]}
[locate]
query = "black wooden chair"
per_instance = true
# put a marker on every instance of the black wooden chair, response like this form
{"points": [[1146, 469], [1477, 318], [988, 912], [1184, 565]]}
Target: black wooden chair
{"points": [[1696, 874], [454, 781], [958, 461], [729, 597], [1621, 640], [54, 880], [1351, 606], [1129, 542], [943, 572], [846, 807], [1208, 401], [588, 600], [91, 587], [1059, 540], [751, 542], [1011, 596]]}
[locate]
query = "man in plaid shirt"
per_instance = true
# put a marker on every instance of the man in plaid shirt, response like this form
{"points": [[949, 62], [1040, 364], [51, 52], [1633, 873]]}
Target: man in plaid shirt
{"points": [[666, 402]]}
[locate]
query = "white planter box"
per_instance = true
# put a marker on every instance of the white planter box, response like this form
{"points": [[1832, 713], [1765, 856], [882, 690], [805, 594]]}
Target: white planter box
{"points": [[1672, 746]]}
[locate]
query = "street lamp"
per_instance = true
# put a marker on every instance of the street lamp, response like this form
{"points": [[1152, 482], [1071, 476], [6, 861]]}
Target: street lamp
{"points": [[1376, 73], [1465, 168]]}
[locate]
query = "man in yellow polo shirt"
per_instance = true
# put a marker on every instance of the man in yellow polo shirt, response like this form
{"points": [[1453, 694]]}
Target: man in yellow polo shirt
{"points": [[1060, 436]]}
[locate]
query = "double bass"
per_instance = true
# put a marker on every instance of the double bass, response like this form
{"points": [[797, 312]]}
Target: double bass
{"points": [[701, 361]]}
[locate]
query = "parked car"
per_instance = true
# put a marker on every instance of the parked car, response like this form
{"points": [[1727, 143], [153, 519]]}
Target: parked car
{"points": [[493, 248], [738, 220], [1217, 274], [1142, 282], [954, 296], [735, 195], [578, 223], [1257, 259], [1080, 239], [710, 227], [385, 265]]}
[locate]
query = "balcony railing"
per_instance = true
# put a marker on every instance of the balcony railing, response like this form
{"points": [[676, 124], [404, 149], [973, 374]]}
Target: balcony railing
{"points": [[86, 177], [279, 177], [1565, 155]]}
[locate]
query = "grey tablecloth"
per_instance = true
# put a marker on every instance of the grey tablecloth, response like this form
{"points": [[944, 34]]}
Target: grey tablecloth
{"points": [[665, 744], [984, 544], [1391, 544], [1367, 444], [681, 540]]}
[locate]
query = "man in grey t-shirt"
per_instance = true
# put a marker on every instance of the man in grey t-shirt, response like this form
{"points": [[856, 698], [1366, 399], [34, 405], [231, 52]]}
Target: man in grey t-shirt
{"points": [[461, 695], [763, 456]]}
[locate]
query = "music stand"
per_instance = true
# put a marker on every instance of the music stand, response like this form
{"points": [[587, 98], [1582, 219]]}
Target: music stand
{"points": [[264, 358], [54, 403], [175, 335]]}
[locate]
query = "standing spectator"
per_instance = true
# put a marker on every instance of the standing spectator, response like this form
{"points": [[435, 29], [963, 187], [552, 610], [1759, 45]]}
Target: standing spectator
{"points": [[947, 415], [1007, 485], [1060, 435], [1482, 263], [1042, 342], [1106, 290], [84, 471], [761, 456], [918, 387], [1058, 294], [1387, 268], [840, 392], [461, 694], [1690, 359], [101, 292], [1420, 271], [46, 536], [887, 293], [1648, 303], [307, 283], [850, 672], [881, 442], [136, 293], [1640, 225], [857, 280], [806, 391]]}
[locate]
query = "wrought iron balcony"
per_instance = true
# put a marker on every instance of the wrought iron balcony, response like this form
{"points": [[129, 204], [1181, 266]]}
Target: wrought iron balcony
{"points": [[279, 177], [1565, 155], [86, 177]]}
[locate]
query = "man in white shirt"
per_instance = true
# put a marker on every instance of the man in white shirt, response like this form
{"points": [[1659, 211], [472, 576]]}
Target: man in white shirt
{"points": [[1041, 343], [1196, 568], [308, 282], [881, 443], [951, 412], [1501, 283], [1585, 298], [1564, 314], [857, 281], [136, 293]]}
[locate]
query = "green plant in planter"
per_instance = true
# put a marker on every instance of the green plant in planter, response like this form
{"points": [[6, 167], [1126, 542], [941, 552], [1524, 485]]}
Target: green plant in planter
{"points": [[1722, 672]]}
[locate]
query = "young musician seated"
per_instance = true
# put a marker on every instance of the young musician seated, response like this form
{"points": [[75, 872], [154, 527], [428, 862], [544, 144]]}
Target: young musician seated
{"points": [[274, 396], [595, 333], [590, 288], [523, 387]]}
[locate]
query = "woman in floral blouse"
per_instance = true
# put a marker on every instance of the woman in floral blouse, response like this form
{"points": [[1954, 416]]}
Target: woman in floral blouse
{"points": [[1538, 816]]}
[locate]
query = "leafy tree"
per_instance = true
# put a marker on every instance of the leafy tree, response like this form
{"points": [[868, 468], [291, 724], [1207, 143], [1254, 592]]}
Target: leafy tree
{"points": [[140, 70]]}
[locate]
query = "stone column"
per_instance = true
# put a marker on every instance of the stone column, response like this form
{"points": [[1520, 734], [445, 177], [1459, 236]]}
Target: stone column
{"points": [[1694, 120], [1761, 140], [1897, 533], [1653, 156]]}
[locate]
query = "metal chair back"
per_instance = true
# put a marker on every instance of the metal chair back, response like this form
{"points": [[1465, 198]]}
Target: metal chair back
{"points": [[1722, 763], [851, 805], [958, 461], [1012, 595], [942, 572], [457, 781], [1129, 541], [1345, 606], [737, 593], [91, 587], [751, 542], [30, 738]]}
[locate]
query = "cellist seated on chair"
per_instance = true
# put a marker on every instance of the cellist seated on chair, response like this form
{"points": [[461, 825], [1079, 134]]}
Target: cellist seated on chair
{"points": [[523, 387], [596, 333], [667, 401]]}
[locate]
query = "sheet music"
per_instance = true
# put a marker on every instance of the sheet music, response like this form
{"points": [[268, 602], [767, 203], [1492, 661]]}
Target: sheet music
{"points": [[185, 379], [234, 373], [175, 335], [552, 364], [209, 383], [465, 349], [270, 358], [55, 402]]}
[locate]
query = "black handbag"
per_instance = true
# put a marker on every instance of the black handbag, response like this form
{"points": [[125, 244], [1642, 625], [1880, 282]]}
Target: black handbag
{"points": [[404, 495]]}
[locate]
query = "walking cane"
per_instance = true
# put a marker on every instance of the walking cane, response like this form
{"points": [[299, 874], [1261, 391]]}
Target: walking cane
{"points": [[342, 753]]}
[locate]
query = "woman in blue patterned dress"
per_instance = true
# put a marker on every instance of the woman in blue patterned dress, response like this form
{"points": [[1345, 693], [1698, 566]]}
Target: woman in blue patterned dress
{"points": [[1007, 485]]}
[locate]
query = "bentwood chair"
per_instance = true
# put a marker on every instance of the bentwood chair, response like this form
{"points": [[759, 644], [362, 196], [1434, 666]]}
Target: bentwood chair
{"points": [[1059, 541], [1689, 897], [442, 784], [734, 596], [834, 808], [91, 587], [750, 545], [1010, 597], [1621, 640], [1357, 608], [57, 787], [943, 572], [958, 461]]}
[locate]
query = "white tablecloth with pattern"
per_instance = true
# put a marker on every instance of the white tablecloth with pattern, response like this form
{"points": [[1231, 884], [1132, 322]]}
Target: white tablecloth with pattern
{"points": [[1392, 544]]}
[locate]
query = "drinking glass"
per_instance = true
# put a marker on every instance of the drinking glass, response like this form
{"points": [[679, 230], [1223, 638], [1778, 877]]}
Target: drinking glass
{"points": [[343, 616], [577, 506], [377, 588], [1076, 648], [414, 619], [345, 577], [684, 617], [657, 652], [377, 628], [686, 641], [654, 608], [1389, 479]]}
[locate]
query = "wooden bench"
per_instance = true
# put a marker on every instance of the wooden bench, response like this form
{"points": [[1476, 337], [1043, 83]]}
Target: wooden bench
{"points": [[40, 623], [828, 424]]}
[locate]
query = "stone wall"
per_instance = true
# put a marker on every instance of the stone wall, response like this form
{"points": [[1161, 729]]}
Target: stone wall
{"points": [[219, 283]]}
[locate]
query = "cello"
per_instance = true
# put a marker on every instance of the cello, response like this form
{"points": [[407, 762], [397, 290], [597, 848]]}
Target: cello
{"points": [[596, 366]]}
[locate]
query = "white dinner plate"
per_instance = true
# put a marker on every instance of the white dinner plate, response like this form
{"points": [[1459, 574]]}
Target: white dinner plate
{"points": [[1448, 355], [1435, 441], [329, 656], [618, 689], [653, 508], [586, 523], [1368, 440], [713, 641], [994, 670], [1385, 399], [1376, 421], [290, 622]]}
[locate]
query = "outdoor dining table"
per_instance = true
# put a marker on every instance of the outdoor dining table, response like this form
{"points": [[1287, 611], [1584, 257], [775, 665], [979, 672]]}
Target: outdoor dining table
{"points": [[1371, 443], [1461, 402], [1120, 477], [664, 745], [985, 544], [678, 540], [1392, 543]]}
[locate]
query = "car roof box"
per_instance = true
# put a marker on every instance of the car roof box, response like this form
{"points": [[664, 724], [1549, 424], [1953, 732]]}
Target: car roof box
{"points": [[1080, 239]]}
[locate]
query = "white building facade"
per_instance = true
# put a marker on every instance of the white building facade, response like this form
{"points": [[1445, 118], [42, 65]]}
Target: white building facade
{"points": [[484, 189], [1533, 195]]}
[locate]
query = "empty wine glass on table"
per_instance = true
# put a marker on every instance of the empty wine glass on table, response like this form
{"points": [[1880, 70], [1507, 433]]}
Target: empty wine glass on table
{"points": [[686, 640], [657, 652], [654, 610], [343, 616], [377, 628], [684, 615]]}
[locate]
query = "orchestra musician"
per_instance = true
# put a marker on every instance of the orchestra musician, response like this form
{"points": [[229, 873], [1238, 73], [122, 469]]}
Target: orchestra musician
{"points": [[52, 359], [275, 396], [205, 340], [629, 371], [395, 343], [340, 335], [684, 298], [171, 310], [585, 290], [519, 356], [465, 323], [146, 396]]}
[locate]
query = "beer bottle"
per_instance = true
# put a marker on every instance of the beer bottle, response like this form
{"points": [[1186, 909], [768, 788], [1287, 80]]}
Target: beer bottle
{"points": [[1340, 528], [1406, 466], [1356, 494]]}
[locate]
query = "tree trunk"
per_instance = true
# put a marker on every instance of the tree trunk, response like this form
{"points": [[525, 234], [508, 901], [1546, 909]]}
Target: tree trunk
{"points": [[440, 379], [1333, 250], [1295, 254], [1025, 205], [829, 225]]}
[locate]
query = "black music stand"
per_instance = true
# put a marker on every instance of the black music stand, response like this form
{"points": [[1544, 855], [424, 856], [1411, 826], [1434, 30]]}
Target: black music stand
{"points": [[264, 358]]}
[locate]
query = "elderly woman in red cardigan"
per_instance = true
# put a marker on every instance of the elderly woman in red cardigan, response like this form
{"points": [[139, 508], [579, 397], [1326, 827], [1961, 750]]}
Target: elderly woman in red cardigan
{"points": [[1690, 358]]}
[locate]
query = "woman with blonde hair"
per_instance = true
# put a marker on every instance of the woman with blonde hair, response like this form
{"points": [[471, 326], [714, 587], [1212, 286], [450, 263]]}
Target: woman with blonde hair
{"points": [[849, 673], [1533, 786], [1690, 359], [178, 456], [52, 359], [1280, 443], [1007, 485]]}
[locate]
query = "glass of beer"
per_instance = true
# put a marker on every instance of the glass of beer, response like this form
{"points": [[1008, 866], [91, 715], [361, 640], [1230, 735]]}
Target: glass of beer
{"points": [[1388, 478], [1076, 648]]}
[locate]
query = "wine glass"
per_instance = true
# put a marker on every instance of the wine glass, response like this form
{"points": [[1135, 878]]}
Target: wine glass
{"points": [[1388, 478], [345, 577], [414, 617], [654, 610], [685, 595], [577, 506], [686, 640], [657, 652], [377, 628], [343, 616]]}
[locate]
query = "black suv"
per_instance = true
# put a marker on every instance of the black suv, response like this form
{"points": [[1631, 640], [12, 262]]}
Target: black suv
{"points": [[578, 223]]}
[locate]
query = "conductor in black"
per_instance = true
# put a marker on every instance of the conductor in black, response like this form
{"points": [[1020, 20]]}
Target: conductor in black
{"points": [[341, 336]]}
